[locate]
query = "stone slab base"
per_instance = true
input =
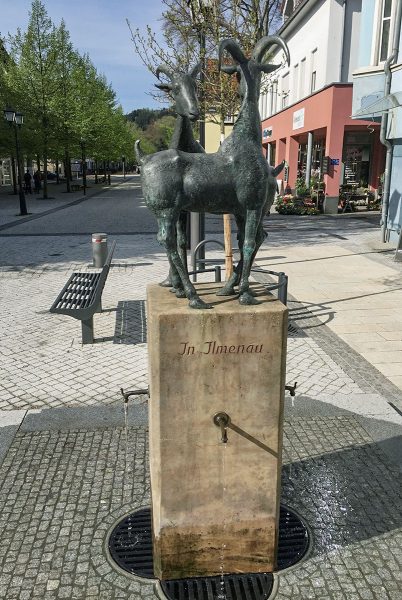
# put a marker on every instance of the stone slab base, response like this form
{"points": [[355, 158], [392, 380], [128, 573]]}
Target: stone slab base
{"points": [[215, 506]]}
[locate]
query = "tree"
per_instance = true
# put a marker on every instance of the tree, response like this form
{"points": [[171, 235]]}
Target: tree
{"points": [[191, 27], [160, 132], [34, 75], [66, 102], [145, 116]]}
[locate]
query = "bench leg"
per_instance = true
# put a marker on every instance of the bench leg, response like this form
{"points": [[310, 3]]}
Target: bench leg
{"points": [[87, 328]]}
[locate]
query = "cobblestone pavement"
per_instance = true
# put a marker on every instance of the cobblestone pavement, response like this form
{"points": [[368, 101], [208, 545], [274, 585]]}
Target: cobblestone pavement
{"points": [[61, 492], [69, 473]]}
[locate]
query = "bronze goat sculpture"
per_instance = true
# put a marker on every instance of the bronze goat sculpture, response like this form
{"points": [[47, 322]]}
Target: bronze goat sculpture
{"points": [[183, 88], [236, 179]]}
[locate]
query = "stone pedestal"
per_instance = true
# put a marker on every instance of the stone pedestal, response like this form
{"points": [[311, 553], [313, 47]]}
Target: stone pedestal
{"points": [[215, 506]]}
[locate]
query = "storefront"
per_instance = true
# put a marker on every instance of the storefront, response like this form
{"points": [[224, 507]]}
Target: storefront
{"points": [[320, 142], [5, 172]]}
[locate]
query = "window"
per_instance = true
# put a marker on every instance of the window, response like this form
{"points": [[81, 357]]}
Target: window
{"points": [[302, 76], [295, 82], [285, 90], [385, 30], [274, 95], [313, 80]]}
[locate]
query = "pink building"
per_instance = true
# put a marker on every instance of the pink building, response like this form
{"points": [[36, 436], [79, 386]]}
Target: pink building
{"points": [[307, 107]]}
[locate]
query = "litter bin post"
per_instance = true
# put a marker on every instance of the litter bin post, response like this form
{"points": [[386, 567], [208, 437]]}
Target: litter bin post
{"points": [[99, 249]]}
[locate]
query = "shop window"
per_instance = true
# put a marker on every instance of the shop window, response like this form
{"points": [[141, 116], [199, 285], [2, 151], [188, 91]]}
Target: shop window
{"points": [[357, 163]]}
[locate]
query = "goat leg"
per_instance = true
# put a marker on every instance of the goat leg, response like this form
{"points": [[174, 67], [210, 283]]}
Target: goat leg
{"points": [[175, 262], [252, 229], [234, 279]]}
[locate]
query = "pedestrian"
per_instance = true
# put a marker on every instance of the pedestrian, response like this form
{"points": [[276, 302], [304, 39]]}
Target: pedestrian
{"points": [[28, 183], [37, 182]]}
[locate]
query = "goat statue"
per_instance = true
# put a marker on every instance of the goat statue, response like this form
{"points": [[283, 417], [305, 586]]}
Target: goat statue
{"points": [[183, 88], [236, 179]]}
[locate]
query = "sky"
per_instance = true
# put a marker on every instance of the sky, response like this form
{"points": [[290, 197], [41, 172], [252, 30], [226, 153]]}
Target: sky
{"points": [[99, 28]]}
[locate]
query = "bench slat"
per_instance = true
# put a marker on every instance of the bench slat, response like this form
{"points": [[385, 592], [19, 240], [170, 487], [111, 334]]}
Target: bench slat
{"points": [[78, 292]]}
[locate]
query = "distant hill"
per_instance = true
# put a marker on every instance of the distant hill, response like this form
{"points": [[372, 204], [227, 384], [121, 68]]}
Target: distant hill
{"points": [[143, 117]]}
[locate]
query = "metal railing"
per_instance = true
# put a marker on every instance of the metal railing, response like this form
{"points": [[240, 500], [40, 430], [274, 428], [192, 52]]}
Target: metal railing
{"points": [[281, 286]]}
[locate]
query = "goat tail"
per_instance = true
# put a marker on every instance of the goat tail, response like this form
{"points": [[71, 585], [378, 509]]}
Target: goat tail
{"points": [[138, 152]]}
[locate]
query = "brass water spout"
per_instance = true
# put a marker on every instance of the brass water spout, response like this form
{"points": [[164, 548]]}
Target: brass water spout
{"points": [[222, 420]]}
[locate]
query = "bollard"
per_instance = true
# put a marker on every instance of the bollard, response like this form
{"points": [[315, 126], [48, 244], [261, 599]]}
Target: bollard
{"points": [[283, 288], [99, 249], [218, 277]]}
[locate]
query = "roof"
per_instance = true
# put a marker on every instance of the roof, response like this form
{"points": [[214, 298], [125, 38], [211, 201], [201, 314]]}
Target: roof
{"points": [[298, 9]]}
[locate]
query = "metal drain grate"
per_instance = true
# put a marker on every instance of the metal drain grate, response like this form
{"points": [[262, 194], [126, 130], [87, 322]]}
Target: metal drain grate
{"points": [[293, 540], [130, 545], [229, 587]]}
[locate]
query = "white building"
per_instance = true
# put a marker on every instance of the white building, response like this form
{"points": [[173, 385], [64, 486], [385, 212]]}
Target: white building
{"points": [[306, 107]]}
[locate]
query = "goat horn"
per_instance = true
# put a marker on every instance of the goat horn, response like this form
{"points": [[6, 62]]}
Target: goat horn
{"points": [[196, 70], [264, 43], [234, 50], [165, 70]]}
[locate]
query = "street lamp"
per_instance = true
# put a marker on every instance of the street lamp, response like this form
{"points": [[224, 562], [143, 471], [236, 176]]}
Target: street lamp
{"points": [[16, 120], [199, 10], [84, 165]]}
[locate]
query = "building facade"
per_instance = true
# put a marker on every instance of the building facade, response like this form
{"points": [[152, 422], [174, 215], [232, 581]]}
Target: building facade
{"points": [[377, 95], [306, 108]]}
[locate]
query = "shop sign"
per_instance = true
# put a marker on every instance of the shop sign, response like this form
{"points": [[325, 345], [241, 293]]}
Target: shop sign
{"points": [[267, 132], [334, 161], [298, 119]]}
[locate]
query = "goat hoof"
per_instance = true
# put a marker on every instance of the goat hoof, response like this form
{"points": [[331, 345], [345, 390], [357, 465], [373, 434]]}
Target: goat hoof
{"points": [[180, 293], [166, 282], [198, 303], [247, 299], [226, 292]]}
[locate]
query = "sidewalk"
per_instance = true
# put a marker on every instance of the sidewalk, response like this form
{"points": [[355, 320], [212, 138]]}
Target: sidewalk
{"points": [[37, 206], [69, 472]]}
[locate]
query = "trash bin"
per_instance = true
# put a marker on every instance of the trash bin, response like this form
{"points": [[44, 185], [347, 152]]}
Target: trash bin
{"points": [[99, 249]]}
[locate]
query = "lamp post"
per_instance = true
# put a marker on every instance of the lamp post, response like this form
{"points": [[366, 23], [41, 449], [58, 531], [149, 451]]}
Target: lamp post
{"points": [[199, 10], [15, 120], [84, 165]]}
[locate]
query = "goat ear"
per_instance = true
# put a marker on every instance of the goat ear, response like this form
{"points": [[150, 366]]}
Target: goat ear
{"points": [[268, 68], [165, 87], [229, 69]]}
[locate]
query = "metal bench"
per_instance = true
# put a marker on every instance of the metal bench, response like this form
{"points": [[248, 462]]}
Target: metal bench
{"points": [[80, 298]]}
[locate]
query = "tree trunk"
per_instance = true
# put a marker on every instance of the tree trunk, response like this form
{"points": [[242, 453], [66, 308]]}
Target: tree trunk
{"points": [[227, 226], [67, 170], [57, 172], [96, 171], [45, 196]]}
